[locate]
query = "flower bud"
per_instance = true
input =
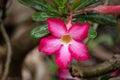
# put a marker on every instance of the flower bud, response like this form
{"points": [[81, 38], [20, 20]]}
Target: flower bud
{"points": [[107, 9]]}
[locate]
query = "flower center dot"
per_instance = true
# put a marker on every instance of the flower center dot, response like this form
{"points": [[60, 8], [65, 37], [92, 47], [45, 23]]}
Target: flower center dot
{"points": [[66, 39]]}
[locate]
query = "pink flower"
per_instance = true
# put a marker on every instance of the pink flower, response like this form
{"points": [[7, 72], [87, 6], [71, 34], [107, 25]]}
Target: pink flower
{"points": [[107, 9], [65, 42], [116, 72], [64, 74]]}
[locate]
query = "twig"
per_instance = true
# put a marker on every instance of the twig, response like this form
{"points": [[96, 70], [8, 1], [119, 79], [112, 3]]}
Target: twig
{"points": [[87, 9], [9, 52], [93, 71], [81, 11]]}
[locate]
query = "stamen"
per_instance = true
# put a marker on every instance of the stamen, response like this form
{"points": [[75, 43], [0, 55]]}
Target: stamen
{"points": [[66, 39]]}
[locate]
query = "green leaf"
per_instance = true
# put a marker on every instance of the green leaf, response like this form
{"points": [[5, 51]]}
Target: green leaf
{"points": [[1, 12], [98, 18], [84, 3], [40, 31], [64, 1], [62, 9], [105, 77], [41, 5], [58, 2], [92, 33], [52, 9], [71, 1], [40, 16], [74, 3], [37, 4]]}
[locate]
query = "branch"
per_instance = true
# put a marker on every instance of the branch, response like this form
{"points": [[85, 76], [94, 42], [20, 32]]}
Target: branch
{"points": [[89, 9], [97, 70], [9, 52]]}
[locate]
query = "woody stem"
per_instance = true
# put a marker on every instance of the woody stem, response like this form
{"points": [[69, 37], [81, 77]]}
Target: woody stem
{"points": [[96, 70]]}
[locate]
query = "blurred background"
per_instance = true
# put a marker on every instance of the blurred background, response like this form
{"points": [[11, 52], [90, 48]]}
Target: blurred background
{"points": [[29, 64]]}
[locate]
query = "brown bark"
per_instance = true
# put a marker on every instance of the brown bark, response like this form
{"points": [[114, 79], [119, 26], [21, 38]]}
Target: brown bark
{"points": [[96, 70]]}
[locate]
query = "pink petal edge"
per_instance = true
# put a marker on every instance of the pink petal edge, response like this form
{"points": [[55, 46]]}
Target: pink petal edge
{"points": [[79, 51], [49, 45], [56, 27], [79, 31], [63, 57]]}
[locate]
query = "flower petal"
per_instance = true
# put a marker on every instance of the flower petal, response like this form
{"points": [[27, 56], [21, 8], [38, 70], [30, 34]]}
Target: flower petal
{"points": [[79, 31], [56, 27], [79, 51], [63, 57], [49, 45], [64, 74]]}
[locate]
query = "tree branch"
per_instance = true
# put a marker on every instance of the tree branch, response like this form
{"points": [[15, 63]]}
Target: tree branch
{"points": [[97, 70], [9, 52]]}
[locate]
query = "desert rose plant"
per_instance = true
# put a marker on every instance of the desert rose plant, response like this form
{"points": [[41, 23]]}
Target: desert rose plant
{"points": [[68, 26]]}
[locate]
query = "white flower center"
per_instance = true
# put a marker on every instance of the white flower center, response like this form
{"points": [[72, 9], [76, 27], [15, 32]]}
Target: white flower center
{"points": [[66, 39]]}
